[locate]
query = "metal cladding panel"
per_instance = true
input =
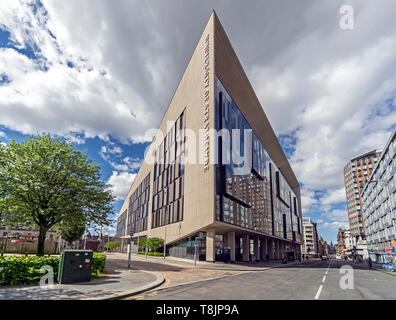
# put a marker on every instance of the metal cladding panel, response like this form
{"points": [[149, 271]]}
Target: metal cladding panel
{"points": [[75, 266]]}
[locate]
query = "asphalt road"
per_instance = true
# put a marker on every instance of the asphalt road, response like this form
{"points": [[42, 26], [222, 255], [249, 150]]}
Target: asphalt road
{"points": [[310, 280]]}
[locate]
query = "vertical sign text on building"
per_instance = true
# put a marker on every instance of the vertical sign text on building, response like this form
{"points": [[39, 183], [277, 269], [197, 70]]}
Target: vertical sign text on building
{"points": [[206, 105]]}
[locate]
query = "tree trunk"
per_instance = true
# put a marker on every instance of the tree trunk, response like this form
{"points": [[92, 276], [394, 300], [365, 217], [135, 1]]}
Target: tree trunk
{"points": [[41, 241]]}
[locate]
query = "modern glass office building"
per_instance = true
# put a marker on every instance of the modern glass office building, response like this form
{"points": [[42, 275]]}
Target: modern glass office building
{"points": [[379, 205], [215, 175]]}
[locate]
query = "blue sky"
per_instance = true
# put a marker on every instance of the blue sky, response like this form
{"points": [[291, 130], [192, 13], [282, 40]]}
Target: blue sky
{"points": [[101, 74]]}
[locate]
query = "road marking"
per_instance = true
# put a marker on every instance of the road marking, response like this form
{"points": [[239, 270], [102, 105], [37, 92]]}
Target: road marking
{"points": [[319, 292], [323, 280], [153, 294], [139, 297], [168, 282]]}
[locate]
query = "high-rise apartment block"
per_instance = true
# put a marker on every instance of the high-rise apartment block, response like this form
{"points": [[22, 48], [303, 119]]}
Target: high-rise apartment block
{"points": [[311, 240], [356, 174]]}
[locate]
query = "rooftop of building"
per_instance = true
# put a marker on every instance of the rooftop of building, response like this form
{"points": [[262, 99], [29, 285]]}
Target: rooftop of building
{"points": [[366, 154], [383, 152]]}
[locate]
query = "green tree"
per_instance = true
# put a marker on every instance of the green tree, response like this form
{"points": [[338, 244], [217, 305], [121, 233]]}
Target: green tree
{"points": [[45, 180], [142, 243], [155, 243], [72, 228], [112, 245]]}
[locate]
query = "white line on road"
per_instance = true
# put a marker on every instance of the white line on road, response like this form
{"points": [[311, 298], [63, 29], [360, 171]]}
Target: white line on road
{"points": [[319, 292], [321, 286]]}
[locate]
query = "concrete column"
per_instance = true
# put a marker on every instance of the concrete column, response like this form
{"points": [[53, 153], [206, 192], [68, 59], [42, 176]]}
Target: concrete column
{"points": [[210, 245], [281, 248], [231, 244], [270, 248], [263, 247], [246, 248], [277, 249], [256, 248]]}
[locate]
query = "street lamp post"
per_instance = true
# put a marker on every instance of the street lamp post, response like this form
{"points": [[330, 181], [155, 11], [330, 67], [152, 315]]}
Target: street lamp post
{"points": [[165, 243], [147, 246], [130, 248]]}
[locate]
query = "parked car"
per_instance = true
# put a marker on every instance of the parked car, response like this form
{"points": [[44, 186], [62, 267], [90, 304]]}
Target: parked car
{"points": [[324, 258], [389, 267]]}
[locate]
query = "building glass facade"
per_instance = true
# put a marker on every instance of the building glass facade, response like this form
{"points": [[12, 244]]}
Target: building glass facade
{"points": [[121, 221], [138, 207], [250, 190], [168, 193], [379, 205]]}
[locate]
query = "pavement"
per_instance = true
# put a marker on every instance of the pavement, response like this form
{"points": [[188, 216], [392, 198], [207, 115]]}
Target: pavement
{"points": [[146, 273], [118, 282], [379, 267], [310, 280], [178, 271]]}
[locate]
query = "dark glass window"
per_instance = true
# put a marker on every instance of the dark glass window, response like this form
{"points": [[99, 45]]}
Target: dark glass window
{"points": [[248, 199], [170, 186], [138, 203]]}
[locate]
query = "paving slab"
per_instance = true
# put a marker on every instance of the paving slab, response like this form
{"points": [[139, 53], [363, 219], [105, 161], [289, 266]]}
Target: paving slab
{"points": [[108, 287], [117, 282]]}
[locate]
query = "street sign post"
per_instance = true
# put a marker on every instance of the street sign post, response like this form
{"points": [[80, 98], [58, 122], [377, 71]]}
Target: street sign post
{"points": [[195, 251], [131, 233]]}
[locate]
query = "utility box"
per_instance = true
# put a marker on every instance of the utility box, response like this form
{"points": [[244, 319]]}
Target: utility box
{"points": [[75, 266]]}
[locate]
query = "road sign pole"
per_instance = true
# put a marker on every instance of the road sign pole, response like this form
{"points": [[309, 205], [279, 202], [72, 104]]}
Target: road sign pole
{"points": [[129, 254], [195, 253], [165, 243], [146, 246], [130, 248]]}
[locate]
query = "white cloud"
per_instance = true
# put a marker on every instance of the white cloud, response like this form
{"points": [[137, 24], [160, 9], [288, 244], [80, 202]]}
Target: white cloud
{"points": [[120, 183], [47, 95], [340, 215], [308, 200], [334, 92], [74, 139], [334, 196], [333, 226]]}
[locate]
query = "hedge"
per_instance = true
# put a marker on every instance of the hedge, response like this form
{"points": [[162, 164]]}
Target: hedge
{"points": [[151, 253], [26, 270], [98, 263]]}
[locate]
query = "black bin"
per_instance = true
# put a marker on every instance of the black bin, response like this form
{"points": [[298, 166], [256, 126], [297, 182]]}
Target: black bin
{"points": [[75, 266], [227, 255]]}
